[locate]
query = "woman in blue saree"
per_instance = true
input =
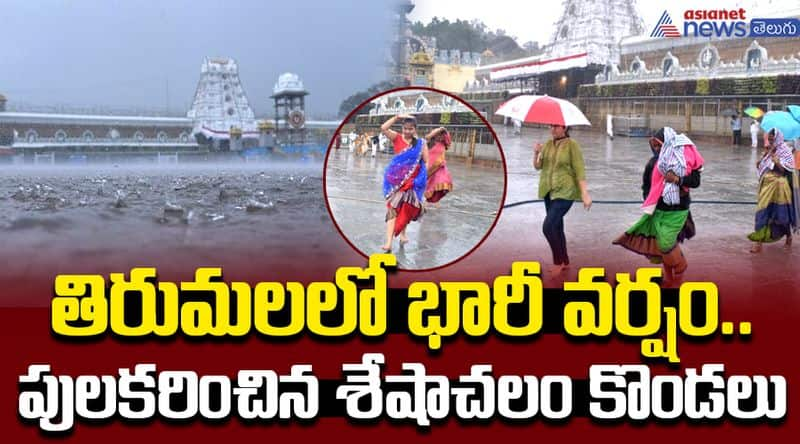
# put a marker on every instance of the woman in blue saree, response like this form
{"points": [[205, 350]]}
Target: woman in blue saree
{"points": [[404, 179]]}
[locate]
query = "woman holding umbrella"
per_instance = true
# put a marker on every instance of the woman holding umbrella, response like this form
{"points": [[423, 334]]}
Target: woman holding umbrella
{"points": [[562, 181], [777, 211], [754, 113], [560, 160]]}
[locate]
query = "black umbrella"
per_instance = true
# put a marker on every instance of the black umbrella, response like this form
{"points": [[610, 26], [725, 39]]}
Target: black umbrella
{"points": [[729, 112]]}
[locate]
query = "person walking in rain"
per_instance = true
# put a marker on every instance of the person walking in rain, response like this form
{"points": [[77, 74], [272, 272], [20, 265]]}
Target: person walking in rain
{"points": [[561, 182], [777, 210], [674, 168]]}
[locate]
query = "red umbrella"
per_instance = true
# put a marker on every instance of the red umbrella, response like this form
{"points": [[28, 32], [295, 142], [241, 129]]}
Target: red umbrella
{"points": [[543, 109]]}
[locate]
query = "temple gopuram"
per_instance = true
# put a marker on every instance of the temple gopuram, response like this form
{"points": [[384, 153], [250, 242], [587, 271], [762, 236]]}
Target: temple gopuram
{"points": [[219, 119], [601, 57]]}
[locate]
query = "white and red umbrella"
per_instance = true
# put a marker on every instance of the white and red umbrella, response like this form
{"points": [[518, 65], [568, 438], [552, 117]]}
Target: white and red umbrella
{"points": [[543, 109]]}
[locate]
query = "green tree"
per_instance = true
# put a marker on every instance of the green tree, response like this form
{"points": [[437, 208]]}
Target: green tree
{"points": [[354, 100], [472, 36]]}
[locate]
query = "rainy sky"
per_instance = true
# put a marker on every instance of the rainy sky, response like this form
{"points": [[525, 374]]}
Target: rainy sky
{"points": [[146, 54]]}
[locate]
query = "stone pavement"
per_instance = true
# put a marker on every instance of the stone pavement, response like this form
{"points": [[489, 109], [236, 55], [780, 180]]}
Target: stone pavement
{"points": [[443, 234], [614, 171]]}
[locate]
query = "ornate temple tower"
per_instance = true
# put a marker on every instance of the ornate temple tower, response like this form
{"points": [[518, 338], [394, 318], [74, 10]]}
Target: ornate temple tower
{"points": [[411, 58], [594, 27], [220, 109], [290, 110]]}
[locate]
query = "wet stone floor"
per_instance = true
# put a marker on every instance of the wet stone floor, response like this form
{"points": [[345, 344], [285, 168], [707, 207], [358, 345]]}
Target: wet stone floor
{"points": [[442, 235], [719, 251], [271, 222]]}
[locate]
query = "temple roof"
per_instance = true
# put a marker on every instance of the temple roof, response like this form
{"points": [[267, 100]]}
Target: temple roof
{"points": [[289, 83]]}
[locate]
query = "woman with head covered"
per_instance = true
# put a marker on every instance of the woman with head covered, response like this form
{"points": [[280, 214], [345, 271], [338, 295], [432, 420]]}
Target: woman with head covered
{"points": [[674, 169], [777, 210], [404, 179], [439, 180]]}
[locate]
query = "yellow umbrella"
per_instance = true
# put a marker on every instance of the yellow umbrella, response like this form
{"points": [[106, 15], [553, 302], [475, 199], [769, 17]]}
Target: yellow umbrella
{"points": [[754, 112]]}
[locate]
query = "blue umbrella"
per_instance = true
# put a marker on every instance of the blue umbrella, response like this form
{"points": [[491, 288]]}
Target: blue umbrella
{"points": [[794, 110], [783, 121]]}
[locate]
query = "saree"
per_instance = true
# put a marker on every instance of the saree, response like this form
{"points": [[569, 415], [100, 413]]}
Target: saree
{"points": [[404, 181], [777, 207], [439, 180], [658, 233]]}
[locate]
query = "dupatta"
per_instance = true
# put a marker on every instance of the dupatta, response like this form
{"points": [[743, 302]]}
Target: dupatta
{"points": [[678, 155], [786, 157], [783, 152], [406, 166]]}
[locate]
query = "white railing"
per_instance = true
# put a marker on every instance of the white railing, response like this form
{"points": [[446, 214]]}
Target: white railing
{"points": [[531, 85], [733, 69], [167, 158], [93, 110], [491, 87], [21, 142], [456, 107], [49, 159]]}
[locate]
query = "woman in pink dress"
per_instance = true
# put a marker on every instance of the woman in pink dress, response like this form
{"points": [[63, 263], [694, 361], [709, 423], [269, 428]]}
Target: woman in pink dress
{"points": [[439, 180]]}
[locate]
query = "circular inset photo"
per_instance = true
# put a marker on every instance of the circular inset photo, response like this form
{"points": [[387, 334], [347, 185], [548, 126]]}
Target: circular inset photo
{"points": [[418, 173]]}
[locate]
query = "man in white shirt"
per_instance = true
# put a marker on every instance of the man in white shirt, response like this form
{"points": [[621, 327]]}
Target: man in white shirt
{"points": [[352, 137], [376, 140], [382, 141], [754, 127]]}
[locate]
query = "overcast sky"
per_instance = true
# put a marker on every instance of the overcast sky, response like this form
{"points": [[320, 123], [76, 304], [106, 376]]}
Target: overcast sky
{"points": [[528, 20], [147, 53], [123, 53]]}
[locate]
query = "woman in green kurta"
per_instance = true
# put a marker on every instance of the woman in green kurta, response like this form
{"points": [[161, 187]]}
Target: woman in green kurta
{"points": [[562, 181]]}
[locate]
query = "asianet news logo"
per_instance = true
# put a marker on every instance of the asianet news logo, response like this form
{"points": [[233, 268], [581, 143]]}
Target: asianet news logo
{"points": [[704, 23]]}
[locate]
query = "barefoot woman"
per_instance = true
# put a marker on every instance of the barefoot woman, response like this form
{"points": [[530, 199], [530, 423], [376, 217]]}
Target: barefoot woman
{"points": [[777, 210], [439, 180], [666, 223], [404, 179]]}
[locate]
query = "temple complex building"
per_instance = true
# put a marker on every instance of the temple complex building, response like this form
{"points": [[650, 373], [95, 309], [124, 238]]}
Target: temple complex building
{"points": [[220, 118], [601, 56]]}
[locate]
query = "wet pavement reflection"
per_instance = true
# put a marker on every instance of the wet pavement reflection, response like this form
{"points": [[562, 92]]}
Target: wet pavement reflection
{"points": [[719, 251], [441, 236]]}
